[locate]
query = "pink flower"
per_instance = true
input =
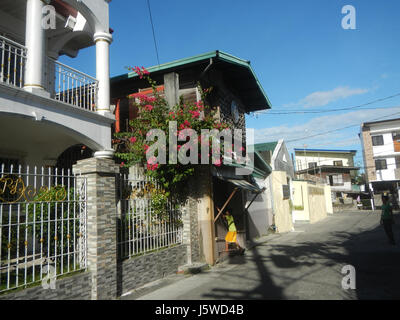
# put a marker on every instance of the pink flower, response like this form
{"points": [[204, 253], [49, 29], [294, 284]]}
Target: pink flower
{"points": [[152, 160], [149, 107], [133, 139], [218, 163], [144, 71], [122, 164], [196, 114]]}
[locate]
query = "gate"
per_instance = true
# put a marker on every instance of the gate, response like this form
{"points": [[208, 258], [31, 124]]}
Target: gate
{"points": [[42, 224]]}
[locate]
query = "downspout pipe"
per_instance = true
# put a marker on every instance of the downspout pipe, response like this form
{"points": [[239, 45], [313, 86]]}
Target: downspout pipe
{"points": [[207, 68]]}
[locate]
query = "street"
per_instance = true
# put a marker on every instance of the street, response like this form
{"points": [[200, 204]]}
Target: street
{"points": [[304, 264]]}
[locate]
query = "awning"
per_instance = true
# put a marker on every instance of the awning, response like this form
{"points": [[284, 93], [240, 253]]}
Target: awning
{"points": [[243, 184]]}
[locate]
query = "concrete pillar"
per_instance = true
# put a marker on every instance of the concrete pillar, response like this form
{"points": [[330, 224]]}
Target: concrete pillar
{"points": [[101, 225], [103, 41], [206, 214], [35, 43], [198, 219]]}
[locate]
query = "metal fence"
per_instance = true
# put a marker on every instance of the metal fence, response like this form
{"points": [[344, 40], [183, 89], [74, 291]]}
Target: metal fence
{"points": [[42, 224], [12, 62], [140, 229], [72, 86]]}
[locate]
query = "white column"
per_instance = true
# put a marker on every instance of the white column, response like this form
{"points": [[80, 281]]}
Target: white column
{"points": [[103, 41], [35, 43]]}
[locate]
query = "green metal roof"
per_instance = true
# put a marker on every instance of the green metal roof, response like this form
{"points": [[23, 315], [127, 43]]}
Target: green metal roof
{"points": [[269, 146], [219, 55], [262, 170]]}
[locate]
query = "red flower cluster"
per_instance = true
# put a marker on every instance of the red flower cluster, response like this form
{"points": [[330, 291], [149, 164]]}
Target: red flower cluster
{"points": [[185, 125], [195, 114], [149, 107], [133, 139], [141, 72], [152, 164]]}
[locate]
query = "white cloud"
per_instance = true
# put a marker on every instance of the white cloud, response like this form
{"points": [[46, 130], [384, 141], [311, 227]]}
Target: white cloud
{"points": [[322, 98], [322, 124]]}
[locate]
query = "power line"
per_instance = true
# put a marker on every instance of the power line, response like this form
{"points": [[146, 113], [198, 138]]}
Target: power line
{"points": [[299, 111], [154, 34], [338, 129]]}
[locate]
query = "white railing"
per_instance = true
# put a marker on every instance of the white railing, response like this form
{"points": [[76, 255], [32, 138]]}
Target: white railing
{"points": [[42, 225], [140, 230], [72, 86], [12, 62]]}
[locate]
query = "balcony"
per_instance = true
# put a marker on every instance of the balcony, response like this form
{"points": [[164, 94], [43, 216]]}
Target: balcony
{"points": [[63, 83]]}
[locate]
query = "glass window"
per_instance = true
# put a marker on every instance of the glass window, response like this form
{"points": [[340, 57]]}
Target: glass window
{"points": [[381, 164], [312, 165], [377, 140]]}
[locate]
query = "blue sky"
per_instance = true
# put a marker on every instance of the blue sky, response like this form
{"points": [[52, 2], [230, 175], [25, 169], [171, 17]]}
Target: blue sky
{"points": [[302, 56]]}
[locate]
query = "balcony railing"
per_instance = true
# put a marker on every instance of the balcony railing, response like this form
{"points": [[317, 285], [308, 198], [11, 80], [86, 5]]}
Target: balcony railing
{"points": [[72, 86], [64, 83], [12, 62]]}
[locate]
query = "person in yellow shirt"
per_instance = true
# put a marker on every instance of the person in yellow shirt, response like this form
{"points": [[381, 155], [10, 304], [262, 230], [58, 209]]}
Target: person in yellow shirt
{"points": [[231, 236]]}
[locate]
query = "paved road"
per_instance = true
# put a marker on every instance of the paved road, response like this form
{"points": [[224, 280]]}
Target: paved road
{"points": [[305, 264]]}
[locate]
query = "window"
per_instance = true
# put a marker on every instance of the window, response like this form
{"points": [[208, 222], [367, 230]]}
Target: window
{"points": [[286, 191], [338, 163], [312, 164], [337, 179], [381, 164], [377, 141]]}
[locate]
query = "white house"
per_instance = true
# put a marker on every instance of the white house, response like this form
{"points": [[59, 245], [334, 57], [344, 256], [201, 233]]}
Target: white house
{"points": [[381, 151], [333, 167], [273, 205], [47, 107]]}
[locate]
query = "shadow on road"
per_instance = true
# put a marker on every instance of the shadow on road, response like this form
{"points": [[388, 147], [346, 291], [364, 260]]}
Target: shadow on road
{"points": [[377, 265]]}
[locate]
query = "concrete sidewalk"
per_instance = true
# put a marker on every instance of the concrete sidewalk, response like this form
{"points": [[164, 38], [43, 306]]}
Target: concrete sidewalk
{"points": [[305, 264]]}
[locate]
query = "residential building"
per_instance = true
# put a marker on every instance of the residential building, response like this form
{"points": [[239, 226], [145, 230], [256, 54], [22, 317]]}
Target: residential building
{"points": [[235, 92], [381, 152], [333, 167], [52, 114], [277, 199]]}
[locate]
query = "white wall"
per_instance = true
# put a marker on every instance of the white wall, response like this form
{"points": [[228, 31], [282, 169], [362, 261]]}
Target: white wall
{"points": [[385, 151], [303, 161]]}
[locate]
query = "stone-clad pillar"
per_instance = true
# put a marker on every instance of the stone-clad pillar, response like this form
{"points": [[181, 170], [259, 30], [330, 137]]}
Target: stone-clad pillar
{"points": [[101, 225]]}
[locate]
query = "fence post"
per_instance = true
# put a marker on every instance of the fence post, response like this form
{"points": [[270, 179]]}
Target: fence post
{"points": [[101, 225]]}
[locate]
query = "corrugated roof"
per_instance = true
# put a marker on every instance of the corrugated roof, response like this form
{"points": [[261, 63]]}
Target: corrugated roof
{"points": [[257, 98], [324, 150]]}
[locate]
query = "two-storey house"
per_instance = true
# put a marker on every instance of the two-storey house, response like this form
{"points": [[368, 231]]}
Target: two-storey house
{"points": [[381, 151], [236, 92], [50, 113], [333, 167]]}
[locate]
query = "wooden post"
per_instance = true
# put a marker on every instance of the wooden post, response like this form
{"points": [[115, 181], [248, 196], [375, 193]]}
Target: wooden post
{"points": [[171, 84]]}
